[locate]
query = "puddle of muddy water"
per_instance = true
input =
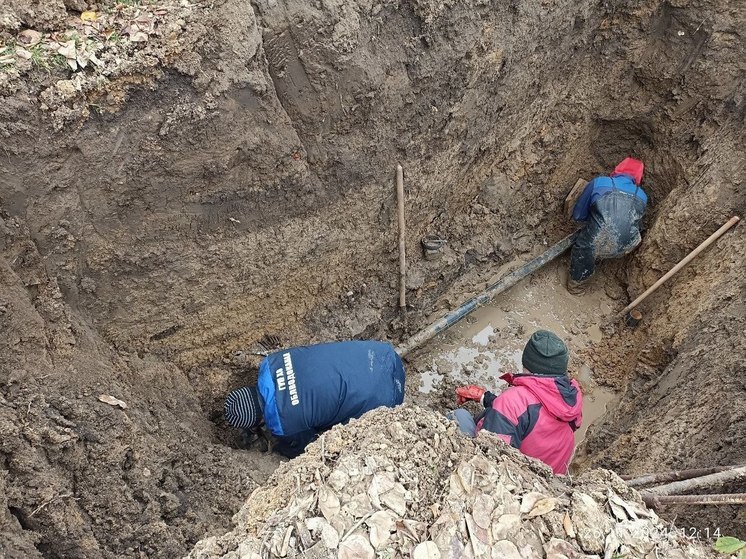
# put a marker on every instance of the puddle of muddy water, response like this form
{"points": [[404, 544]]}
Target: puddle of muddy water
{"points": [[490, 341]]}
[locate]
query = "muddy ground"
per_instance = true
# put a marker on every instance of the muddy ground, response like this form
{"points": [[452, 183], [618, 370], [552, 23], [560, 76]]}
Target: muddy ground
{"points": [[231, 177]]}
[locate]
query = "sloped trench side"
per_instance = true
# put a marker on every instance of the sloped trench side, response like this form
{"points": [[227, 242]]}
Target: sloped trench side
{"points": [[684, 401], [248, 192]]}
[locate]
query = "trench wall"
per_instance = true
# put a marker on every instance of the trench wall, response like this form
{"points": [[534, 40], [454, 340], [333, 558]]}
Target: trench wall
{"points": [[247, 189]]}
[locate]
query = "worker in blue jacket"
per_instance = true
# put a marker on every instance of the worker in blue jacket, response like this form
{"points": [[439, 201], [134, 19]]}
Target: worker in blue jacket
{"points": [[613, 207], [303, 391]]}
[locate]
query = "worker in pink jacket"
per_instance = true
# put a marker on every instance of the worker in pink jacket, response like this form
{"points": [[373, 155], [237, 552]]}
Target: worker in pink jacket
{"points": [[540, 410]]}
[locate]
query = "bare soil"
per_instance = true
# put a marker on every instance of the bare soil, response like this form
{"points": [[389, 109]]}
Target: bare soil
{"points": [[231, 178]]}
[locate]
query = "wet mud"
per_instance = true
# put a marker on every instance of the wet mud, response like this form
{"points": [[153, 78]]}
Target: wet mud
{"points": [[489, 342]]}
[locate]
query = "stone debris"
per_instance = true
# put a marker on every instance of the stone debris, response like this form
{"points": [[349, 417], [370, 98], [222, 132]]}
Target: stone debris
{"points": [[405, 483]]}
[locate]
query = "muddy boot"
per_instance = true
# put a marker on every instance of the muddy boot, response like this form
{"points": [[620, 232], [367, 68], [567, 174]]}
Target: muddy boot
{"points": [[576, 287]]}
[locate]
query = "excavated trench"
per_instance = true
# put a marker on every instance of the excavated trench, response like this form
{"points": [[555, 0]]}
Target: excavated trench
{"points": [[230, 180]]}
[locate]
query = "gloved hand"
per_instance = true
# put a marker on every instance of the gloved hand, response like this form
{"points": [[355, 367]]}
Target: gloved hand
{"points": [[470, 392]]}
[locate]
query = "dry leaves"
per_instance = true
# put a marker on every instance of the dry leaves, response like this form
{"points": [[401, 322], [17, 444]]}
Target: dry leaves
{"points": [[94, 33], [426, 550], [543, 506], [375, 493]]}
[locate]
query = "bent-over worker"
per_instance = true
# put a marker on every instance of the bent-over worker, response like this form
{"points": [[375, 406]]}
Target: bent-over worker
{"points": [[304, 391], [540, 410], [613, 207]]}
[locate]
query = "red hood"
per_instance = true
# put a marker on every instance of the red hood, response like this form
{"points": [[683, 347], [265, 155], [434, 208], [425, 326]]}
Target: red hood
{"points": [[631, 167], [559, 395]]}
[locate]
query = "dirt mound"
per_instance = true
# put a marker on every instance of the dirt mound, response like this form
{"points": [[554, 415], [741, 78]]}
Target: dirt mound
{"points": [[406, 483]]}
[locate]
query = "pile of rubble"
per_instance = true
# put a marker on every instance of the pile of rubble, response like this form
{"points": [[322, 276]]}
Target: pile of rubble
{"points": [[405, 483]]}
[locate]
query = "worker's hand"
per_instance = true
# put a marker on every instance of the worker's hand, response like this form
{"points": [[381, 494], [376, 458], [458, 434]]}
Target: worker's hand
{"points": [[471, 392]]}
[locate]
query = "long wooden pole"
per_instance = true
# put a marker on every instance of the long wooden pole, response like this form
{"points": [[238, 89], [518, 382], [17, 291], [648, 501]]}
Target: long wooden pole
{"points": [[678, 487], [655, 501], [711, 239], [402, 239], [675, 475]]}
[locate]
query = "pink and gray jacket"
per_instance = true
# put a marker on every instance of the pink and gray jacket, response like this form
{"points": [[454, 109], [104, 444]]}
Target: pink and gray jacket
{"points": [[538, 415]]}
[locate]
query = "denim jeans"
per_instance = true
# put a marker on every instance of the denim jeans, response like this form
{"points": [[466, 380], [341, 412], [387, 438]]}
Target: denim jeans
{"points": [[465, 421]]}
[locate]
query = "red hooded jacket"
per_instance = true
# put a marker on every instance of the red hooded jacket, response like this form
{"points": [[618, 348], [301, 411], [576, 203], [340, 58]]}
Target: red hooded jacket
{"points": [[538, 415]]}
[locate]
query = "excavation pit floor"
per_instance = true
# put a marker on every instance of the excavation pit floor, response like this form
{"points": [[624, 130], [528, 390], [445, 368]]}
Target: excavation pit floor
{"points": [[490, 341]]}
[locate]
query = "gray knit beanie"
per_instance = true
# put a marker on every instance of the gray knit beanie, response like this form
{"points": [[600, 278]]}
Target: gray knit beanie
{"points": [[242, 408], [545, 354]]}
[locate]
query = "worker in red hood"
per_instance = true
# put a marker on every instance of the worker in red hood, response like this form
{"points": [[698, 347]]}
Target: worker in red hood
{"points": [[540, 410], [613, 207]]}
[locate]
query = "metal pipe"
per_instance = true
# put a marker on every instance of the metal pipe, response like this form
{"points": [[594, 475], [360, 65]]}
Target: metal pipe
{"points": [[486, 296]]}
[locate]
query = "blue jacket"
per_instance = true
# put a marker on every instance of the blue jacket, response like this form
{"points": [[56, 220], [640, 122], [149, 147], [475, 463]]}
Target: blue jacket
{"points": [[600, 186], [306, 390]]}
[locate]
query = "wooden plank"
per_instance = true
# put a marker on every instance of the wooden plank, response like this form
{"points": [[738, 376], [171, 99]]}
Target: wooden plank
{"points": [[572, 198]]}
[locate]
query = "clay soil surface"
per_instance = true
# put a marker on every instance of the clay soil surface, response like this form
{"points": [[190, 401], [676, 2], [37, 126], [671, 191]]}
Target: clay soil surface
{"points": [[180, 180]]}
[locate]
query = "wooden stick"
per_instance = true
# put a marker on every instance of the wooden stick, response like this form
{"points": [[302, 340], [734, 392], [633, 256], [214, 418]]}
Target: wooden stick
{"points": [[679, 487], [655, 501], [711, 239], [402, 238], [675, 475], [572, 197]]}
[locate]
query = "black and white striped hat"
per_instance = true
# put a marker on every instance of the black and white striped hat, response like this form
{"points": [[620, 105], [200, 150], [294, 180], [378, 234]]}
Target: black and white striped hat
{"points": [[242, 408]]}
